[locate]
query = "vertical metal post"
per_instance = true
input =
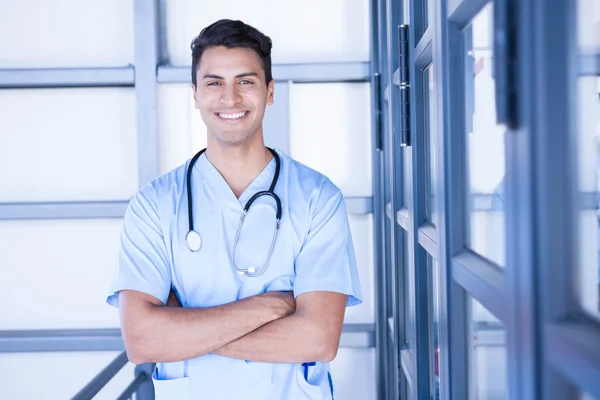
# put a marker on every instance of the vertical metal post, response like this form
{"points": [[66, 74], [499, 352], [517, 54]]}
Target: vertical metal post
{"points": [[454, 319], [146, 13], [146, 390], [377, 11]]}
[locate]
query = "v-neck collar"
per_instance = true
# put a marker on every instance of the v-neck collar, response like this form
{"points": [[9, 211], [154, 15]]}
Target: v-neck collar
{"points": [[216, 181]]}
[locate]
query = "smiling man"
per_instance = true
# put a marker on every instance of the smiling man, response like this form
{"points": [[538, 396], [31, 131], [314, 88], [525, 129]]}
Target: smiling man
{"points": [[236, 268]]}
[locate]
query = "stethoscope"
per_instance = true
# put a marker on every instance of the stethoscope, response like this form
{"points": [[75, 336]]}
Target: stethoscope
{"points": [[193, 240]]}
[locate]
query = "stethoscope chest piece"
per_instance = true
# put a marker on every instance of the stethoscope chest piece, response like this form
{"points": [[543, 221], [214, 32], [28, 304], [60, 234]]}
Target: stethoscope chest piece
{"points": [[193, 241]]}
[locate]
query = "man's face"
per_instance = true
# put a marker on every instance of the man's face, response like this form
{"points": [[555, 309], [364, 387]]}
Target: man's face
{"points": [[232, 94]]}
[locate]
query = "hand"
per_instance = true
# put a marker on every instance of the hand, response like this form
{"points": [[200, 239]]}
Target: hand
{"points": [[283, 302], [173, 301]]}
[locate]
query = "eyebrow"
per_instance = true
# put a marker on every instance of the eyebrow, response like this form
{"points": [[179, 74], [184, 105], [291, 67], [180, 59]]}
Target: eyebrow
{"points": [[245, 74]]}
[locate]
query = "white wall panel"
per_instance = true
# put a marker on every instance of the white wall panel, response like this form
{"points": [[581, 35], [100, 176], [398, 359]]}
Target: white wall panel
{"points": [[362, 237], [306, 31], [58, 376], [66, 33], [181, 131], [67, 145], [57, 273], [353, 374], [330, 129]]}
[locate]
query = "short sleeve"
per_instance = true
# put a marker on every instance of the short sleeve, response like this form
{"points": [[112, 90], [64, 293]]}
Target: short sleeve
{"points": [[143, 261], [326, 261]]}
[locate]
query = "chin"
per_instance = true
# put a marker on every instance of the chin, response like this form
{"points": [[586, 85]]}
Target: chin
{"points": [[233, 139]]}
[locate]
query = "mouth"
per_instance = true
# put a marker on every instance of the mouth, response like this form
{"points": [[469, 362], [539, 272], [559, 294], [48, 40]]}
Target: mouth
{"points": [[232, 116]]}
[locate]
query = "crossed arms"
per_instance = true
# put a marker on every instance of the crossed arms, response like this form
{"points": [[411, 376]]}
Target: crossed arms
{"points": [[270, 327]]}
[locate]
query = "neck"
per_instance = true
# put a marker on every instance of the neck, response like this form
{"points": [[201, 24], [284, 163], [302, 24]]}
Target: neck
{"points": [[239, 165]]}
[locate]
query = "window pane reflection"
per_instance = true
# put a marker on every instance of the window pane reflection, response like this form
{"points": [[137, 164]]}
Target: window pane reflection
{"points": [[433, 324], [588, 25], [408, 321], [430, 143], [487, 358], [588, 158], [484, 144], [589, 189]]}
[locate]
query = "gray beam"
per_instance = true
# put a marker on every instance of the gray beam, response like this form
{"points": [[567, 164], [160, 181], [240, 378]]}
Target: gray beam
{"points": [[482, 279], [424, 49], [114, 209], [63, 210], [27, 341], [302, 73], [403, 218], [61, 340], [358, 336], [146, 59], [427, 237], [90, 390], [66, 77], [407, 364]]}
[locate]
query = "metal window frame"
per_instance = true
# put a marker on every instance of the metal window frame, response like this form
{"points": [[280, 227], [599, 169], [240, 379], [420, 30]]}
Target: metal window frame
{"points": [[420, 58], [66, 77], [449, 18], [570, 356]]}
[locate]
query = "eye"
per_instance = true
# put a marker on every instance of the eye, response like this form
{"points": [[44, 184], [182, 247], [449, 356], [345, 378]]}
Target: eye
{"points": [[246, 82], [214, 84]]}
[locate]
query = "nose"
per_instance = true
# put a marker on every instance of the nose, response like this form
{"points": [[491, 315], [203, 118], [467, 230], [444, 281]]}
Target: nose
{"points": [[230, 96]]}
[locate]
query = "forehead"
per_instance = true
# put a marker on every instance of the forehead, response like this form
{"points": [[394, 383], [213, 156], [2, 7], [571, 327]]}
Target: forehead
{"points": [[223, 61]]}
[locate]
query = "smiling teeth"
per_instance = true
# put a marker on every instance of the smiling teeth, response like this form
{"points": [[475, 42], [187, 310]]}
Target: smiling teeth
{"points": [[232, 116]]}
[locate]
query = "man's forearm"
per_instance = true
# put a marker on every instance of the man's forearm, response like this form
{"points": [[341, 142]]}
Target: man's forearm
{"points": [[293, 339], [155, 333]]}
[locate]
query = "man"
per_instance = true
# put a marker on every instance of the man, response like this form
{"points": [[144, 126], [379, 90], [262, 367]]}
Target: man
{"points": [[237, 329]]}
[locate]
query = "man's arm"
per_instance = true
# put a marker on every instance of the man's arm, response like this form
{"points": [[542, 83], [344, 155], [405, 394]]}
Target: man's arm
{"points": [[155, 333], [312, 333]]}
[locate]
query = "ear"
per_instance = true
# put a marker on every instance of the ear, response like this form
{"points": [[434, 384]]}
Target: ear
{"points": [[196, 105], [271, 92]]}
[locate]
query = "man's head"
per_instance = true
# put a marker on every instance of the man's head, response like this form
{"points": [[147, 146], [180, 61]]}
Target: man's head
{"points": [[231, 79]]}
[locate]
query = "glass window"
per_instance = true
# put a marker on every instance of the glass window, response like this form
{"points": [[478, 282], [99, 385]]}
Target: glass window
{"points": [[588, 158], [353, 373], [324, 138], [430, 143], [68, 144], [306, 31], [361, 228], [66, 33], [487, 358], [588, 26], [73, 264], [484, 144], [433, 324]]}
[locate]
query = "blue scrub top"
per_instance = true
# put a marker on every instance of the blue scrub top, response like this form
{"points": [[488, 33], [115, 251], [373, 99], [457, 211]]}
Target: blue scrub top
{"points": [[313, 252]]}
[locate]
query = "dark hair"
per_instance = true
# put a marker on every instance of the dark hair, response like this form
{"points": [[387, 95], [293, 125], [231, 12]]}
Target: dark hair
{"points": [[231, 34]]}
